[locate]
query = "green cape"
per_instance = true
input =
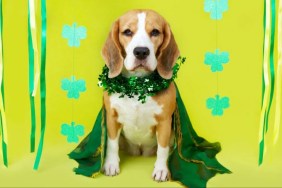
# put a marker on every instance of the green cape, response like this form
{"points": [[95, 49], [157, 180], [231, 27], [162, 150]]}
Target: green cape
{"points": [[192, 161]]}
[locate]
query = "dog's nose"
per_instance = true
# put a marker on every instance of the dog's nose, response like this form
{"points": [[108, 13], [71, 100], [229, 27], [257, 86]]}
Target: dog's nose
{"points": [[141, 52]]}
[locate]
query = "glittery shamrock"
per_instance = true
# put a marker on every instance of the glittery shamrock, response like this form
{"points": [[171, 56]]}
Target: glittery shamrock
{"points": [[216, 8], [217, 105], [73, 87], [216, 60], [72, 131], [74, 34]]}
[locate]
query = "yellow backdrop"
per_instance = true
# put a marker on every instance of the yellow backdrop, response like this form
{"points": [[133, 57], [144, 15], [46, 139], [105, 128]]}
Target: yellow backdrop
{"points": [[239, 32]]}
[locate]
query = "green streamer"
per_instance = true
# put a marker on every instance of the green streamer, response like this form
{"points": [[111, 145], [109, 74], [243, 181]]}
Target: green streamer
{"points": [[4, 145], [1, 25], [271, 60], [1, 35], [263, 84], [272, 75], [42, 84], [31, 86], [261, 144]]}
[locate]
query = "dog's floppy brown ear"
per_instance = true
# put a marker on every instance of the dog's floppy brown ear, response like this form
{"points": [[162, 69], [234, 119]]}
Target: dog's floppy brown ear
{"points": [[112, 53], [168, 54]]}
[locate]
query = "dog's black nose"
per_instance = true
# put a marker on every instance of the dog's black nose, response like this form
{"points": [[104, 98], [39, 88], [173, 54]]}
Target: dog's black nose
{"points": [[141, 52]]}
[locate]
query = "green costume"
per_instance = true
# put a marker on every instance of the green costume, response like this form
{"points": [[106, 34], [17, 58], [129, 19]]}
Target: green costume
{"points": [[192, 161]]}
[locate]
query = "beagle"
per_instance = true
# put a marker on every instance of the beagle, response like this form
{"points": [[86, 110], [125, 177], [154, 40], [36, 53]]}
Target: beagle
{"points": [[139, 43]]}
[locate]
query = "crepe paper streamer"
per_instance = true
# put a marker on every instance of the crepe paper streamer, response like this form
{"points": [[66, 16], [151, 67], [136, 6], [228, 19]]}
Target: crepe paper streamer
{"points": [[271, 61], [33, 32], [33, 56], [73, 86], [216, 60], [217, 105], [3, 124], [72, 132], [42, 84], [216, 8], [277, 119], [268, 73], [74, 34]]}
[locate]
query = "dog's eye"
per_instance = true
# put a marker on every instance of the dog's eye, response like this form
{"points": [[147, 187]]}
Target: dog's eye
{"points": [[155, 33], [127, 32]]}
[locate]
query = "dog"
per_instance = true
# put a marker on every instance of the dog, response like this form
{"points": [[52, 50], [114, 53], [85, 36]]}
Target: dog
{"points": [[139, 43]]}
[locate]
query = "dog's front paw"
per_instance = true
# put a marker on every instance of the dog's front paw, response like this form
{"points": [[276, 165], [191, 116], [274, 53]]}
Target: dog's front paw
{"points": [[111, 168], [160, 173]]}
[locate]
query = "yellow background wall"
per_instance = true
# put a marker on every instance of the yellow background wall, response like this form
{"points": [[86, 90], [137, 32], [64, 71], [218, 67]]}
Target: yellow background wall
{"points": [[239, 32]]}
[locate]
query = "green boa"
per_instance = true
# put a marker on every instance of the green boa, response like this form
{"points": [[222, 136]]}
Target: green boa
{"points": [[192, 161]]}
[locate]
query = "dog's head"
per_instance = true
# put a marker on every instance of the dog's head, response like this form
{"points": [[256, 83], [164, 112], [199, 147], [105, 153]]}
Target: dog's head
{"points": [[139, 43]]}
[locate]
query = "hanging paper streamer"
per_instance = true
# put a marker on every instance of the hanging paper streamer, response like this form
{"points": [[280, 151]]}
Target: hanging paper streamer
{"points": [[42, 83], [73, 87], [33, 57], [268, 73], [271, 61], [277, 121], [33, 33], [3, 125], [216, 60]]}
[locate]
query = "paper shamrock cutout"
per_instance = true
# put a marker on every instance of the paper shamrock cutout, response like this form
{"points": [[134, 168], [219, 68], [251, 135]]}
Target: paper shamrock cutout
{"points": [[216, 8], [216, 60], [217, 105], [74, 34], [72, 132], [73, 86]]}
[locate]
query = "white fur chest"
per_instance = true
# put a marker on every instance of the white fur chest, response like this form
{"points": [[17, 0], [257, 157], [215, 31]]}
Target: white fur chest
{"points": [[137, 118]]}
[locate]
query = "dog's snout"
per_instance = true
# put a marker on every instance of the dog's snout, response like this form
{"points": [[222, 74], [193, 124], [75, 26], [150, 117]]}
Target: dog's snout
{"points": [[141, 52]]}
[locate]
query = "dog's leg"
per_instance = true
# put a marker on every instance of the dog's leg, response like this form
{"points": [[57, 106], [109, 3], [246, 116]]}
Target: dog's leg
{"points": [[111, 166], [161, 172]]}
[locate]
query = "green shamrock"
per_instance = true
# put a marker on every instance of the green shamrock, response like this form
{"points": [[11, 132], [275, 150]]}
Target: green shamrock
{"points": [[217, 105], [216, 8], [74, 34], [215, 60], [72, 131], [73, 87]]}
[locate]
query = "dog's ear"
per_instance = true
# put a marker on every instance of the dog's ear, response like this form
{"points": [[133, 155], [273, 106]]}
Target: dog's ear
{"points": [[167, 54], [112, 52]]}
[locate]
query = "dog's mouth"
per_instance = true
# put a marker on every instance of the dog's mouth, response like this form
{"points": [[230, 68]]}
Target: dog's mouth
{"points": [[140, 69], [140, 65]]}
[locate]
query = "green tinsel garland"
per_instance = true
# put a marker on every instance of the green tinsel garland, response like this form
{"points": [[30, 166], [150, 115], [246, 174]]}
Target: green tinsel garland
{"points": [[140, 86]]}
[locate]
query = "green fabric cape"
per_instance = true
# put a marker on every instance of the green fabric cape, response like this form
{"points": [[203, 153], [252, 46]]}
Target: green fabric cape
{"points": [[192, 161]]}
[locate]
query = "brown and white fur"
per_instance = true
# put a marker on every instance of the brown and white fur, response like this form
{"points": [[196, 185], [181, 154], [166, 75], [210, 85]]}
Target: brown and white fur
{"points": [[139, 43]]}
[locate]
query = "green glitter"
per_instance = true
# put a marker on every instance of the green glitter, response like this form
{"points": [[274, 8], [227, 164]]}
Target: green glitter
{"points": [[137, 86]]}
